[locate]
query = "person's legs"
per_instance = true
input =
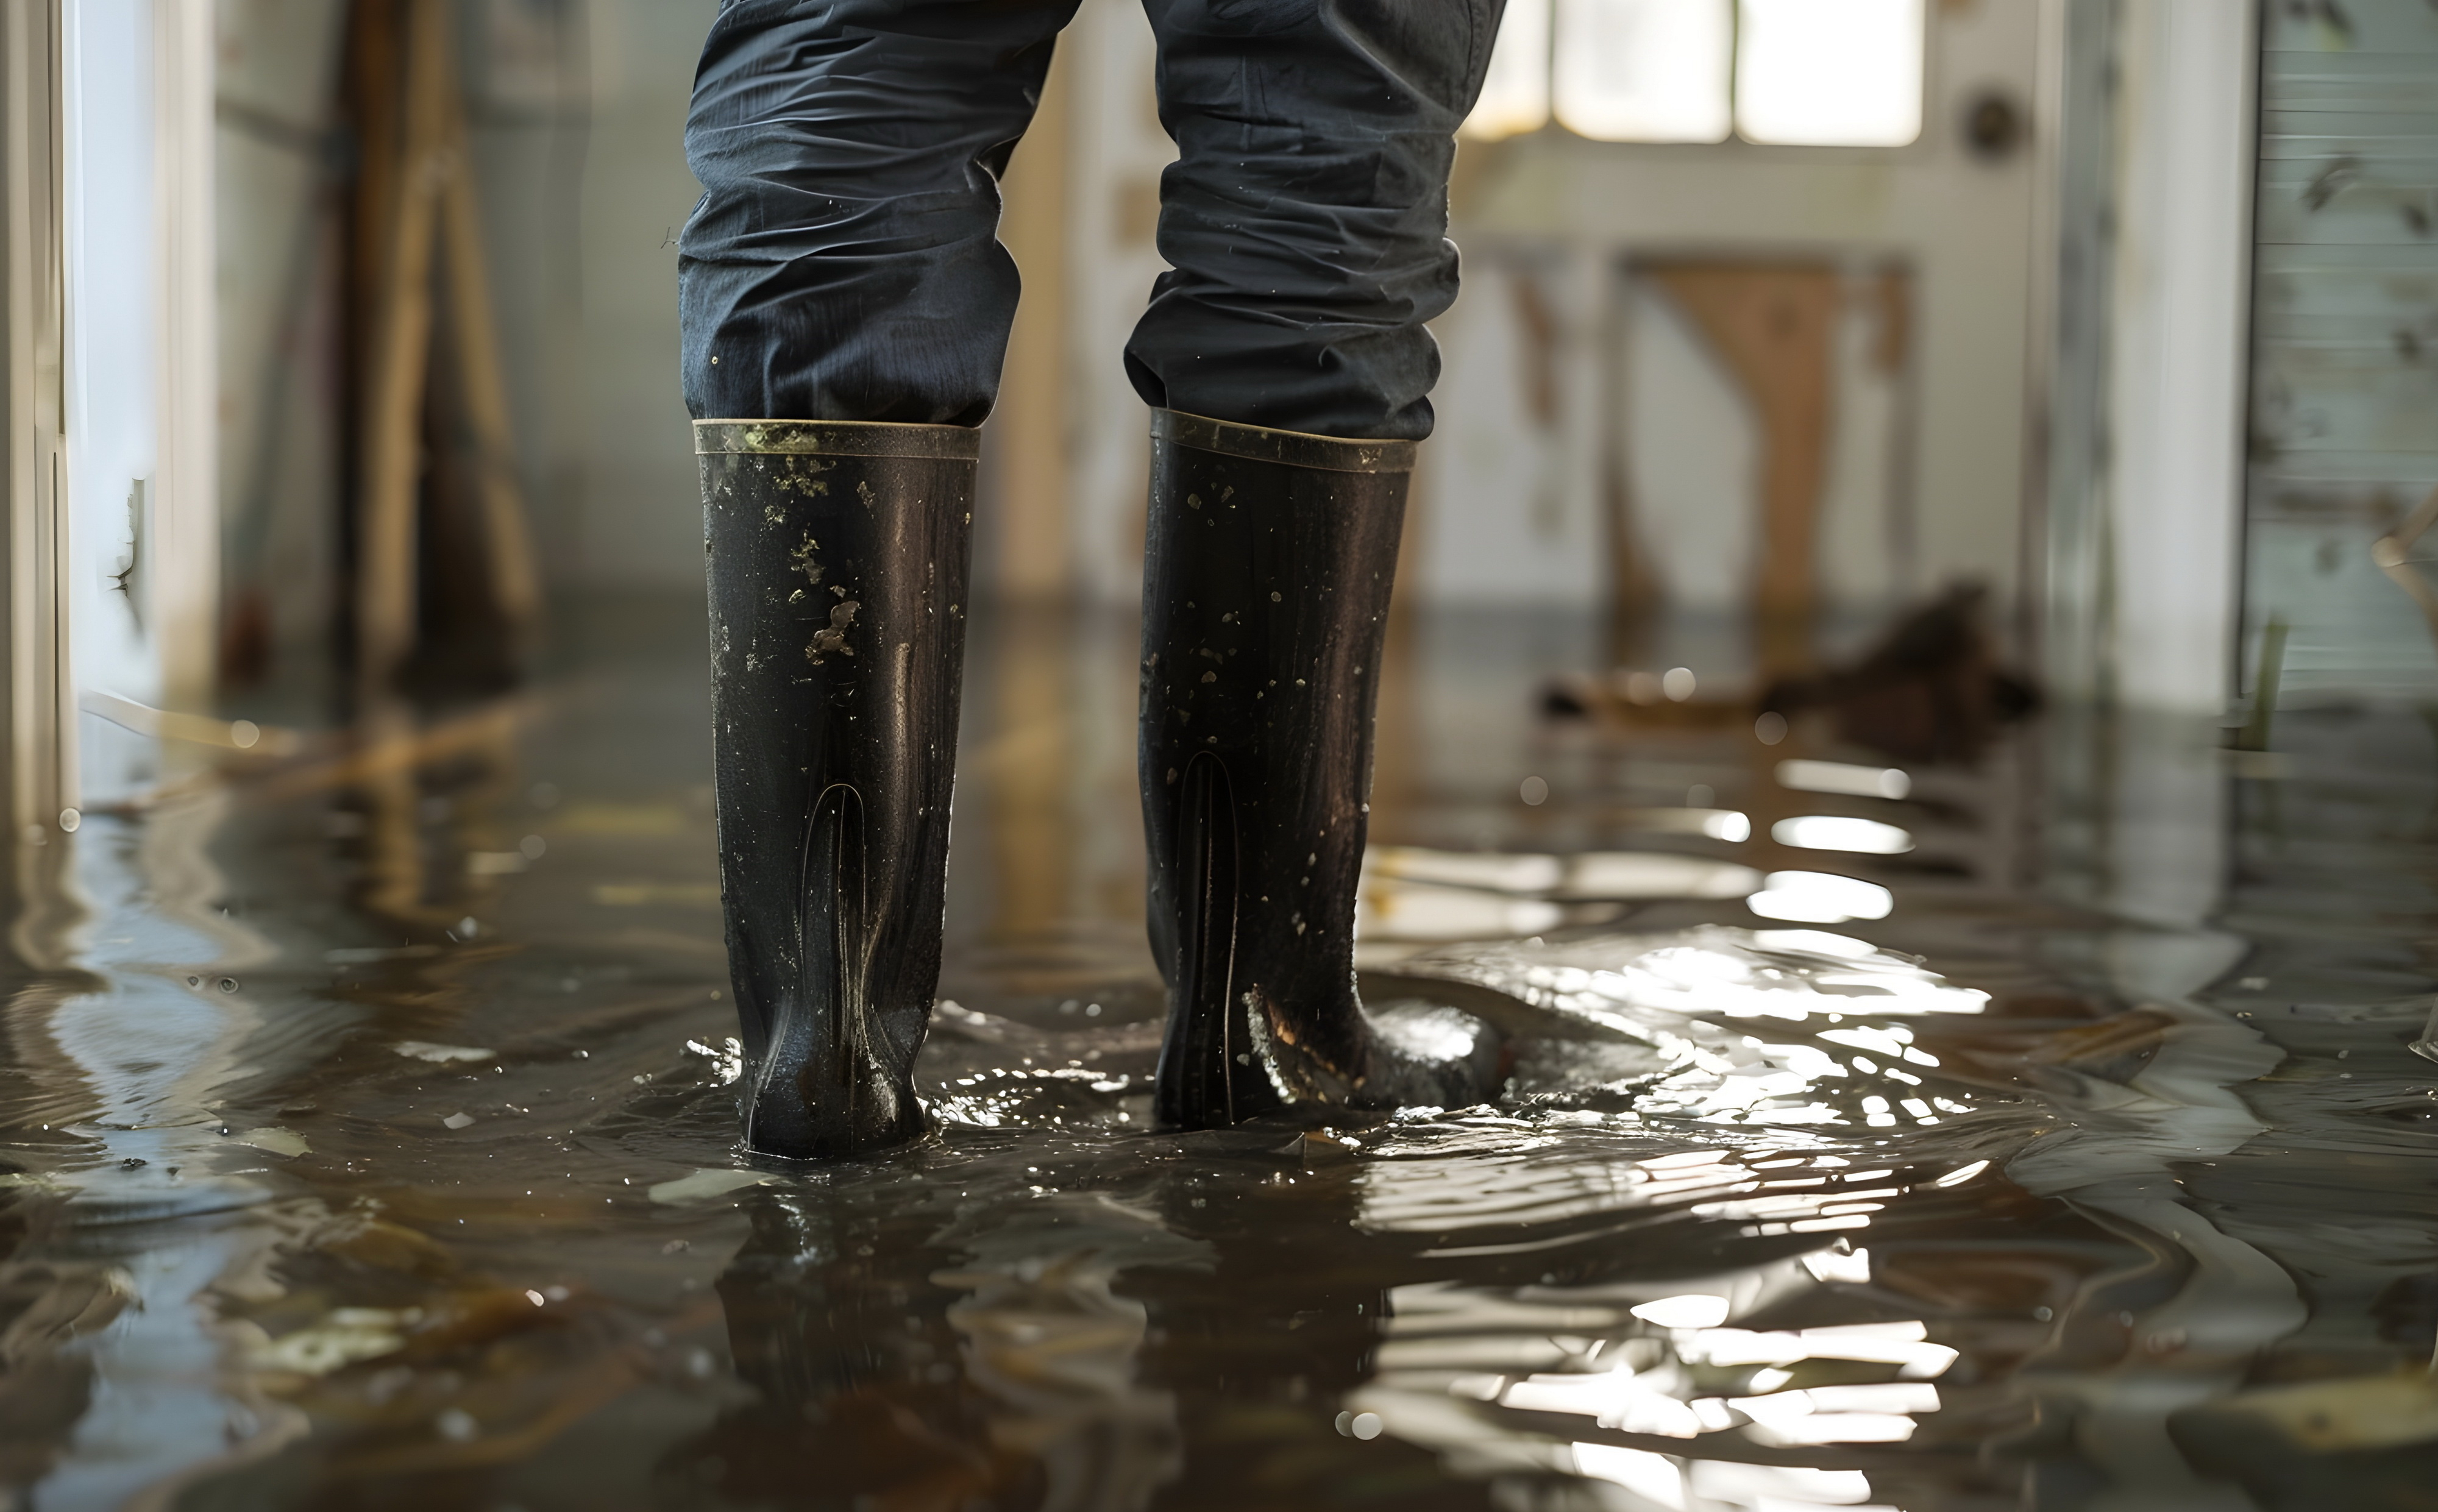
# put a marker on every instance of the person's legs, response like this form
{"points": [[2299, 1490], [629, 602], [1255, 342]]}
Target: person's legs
{"points": [[845, 307], [843, 262], [1305, 221], [1285, 358]]}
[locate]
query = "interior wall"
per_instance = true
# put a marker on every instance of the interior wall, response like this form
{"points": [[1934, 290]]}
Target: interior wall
{"points": [[537, 76], [1692, 455], [114, 347], [2345, 352], [1509, 504], [639, 523], [141, 427], [1573, 209]]}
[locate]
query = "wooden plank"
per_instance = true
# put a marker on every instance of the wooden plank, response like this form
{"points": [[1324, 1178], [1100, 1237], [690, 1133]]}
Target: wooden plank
{"points": [[399, 359]]}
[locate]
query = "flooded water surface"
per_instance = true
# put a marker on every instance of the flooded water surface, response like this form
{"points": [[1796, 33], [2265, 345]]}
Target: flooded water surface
{"points": [[2043, 1132]]}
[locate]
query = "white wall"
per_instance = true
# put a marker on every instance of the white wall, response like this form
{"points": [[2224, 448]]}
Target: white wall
{"points": [[113, 345], [1580, 208], [142, 388], [1509, 503], [639, 525]]}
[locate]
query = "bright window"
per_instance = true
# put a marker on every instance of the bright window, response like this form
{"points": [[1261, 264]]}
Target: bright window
{"points": [[1814, 73], [1829, 73], [1644, 70]]}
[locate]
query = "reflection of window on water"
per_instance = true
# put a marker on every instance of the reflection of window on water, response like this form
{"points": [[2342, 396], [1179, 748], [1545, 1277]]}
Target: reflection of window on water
{"points": [[1816, 73]]}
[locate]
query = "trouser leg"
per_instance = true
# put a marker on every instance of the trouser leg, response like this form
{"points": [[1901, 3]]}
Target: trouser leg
{"points": [[843, 263], [1305, 221]]}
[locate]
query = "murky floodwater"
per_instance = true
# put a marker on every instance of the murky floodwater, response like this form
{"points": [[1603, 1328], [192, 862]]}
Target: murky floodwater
{"points": [[367, 1140]]}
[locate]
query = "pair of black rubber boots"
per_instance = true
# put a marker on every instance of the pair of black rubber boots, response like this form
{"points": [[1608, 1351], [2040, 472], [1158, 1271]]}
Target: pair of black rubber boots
{"points": [[839, 557]]}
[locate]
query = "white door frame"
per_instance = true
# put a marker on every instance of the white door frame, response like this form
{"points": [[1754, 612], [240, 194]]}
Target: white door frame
{"points": [[41, 786]]}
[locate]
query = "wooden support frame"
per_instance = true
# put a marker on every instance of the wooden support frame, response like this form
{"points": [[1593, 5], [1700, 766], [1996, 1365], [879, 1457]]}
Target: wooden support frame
{"points": [[398, 364]]}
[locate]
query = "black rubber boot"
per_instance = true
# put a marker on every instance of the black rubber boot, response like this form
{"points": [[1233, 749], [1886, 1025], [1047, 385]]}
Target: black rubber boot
{"points": [[1268, 563], [837, 562]]}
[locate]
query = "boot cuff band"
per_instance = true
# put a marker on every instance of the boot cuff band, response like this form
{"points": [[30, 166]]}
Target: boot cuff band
{"points": [[838, 438], [1293, 448]]}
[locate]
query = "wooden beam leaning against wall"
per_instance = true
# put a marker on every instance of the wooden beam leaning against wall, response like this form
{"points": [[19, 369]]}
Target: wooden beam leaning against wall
{"points": [[439, 530], [418, 288]]}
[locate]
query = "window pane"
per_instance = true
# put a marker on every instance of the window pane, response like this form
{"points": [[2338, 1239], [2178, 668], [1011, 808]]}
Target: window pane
{"points": [[1829, 73], [1644, 70], [1515, 97]]}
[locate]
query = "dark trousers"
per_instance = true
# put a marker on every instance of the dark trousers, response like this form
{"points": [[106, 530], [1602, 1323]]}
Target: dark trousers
{"points": [[843, 262]]}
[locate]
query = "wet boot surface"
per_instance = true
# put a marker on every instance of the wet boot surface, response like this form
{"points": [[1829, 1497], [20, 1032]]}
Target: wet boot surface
{"points": [[1268, 566], [837, 557]]}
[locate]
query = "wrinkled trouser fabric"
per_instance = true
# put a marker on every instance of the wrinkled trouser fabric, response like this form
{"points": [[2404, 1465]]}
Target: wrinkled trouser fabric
{"points": [[843, 262]]}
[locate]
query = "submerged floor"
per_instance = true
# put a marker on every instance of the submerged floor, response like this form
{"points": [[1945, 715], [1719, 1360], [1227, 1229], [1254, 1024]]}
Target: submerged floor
{"points": [[364, 1139]]}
